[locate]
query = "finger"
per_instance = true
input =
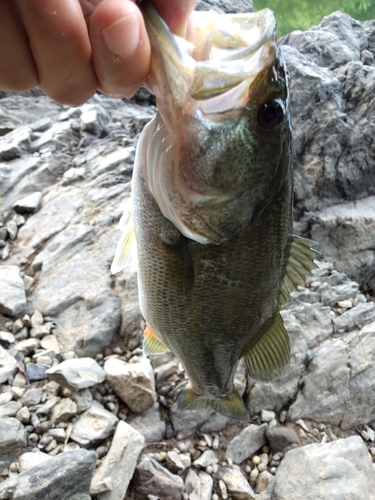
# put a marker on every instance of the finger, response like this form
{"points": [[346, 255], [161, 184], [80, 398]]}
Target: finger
{"points": [[121, 49], [17, 68], [177, 16], [61, 48]]}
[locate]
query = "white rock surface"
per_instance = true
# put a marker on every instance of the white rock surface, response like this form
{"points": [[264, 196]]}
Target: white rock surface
{"points": [[77, 373], [120, 462], [95, 424], [134, 383], [12, 291], [330, 471]]}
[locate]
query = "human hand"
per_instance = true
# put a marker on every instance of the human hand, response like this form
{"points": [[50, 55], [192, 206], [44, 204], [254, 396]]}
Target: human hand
{"points": [[72, 48]]}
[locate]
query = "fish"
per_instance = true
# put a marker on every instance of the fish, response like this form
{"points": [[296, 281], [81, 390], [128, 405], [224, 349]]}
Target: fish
{"points": [[210, 224]]}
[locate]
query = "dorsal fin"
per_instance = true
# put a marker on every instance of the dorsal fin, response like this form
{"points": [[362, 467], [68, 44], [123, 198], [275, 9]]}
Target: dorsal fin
{"points": [[269, 356], [152, 343], [126, 250], [299, 266]]}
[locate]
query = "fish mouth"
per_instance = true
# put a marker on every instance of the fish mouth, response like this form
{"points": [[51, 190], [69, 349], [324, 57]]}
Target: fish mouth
{"points": [[223, 51]]}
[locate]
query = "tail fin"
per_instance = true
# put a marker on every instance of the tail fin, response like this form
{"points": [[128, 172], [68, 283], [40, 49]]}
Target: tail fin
{"points": [[231, 406]]}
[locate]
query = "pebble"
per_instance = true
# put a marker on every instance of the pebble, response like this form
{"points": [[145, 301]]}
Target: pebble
{"points": [[35, 372], [267, 415]]}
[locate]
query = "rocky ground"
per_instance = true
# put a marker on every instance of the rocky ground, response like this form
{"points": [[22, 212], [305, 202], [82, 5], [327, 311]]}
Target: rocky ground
{"points": [[82, 413]]}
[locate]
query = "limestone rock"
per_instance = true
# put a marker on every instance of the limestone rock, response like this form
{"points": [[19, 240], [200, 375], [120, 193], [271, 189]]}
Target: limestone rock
{"points": [[77, 373], [12, 291], [12, 435], [8, 365], [30, 203], [152, 478], [150, 424], [236, 483], [340, 469], [134, 383], [65, 476], [94, 425], [120, 462], [248, 441]]}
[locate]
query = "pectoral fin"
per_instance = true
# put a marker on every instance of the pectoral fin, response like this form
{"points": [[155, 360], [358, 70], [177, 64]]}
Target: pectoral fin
{"points": [[152, 343], [299, 266], [126, 250], [231, 405], [269, 356]]}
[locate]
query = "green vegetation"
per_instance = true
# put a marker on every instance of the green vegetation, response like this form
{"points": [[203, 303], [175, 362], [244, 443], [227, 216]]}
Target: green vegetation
{"points": [[301, 14]]}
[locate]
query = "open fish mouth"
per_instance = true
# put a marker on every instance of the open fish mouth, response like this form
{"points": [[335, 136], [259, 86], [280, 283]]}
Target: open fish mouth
{"points": [[202, 85]]}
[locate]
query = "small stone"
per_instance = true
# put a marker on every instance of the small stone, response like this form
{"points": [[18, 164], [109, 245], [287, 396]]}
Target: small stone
{"points": [[207, 458], [6, 339], [17, 325], [262, 481], [10, 409], [256, 460], [76, 374], [30, 459], [174, 462], [101, 451], [250, 440], [236, 483], [133, 382], [5, 397], [93, 425], [32, 396], [280, 437], [37, 319], [216, 442], [267, 415], [151, 476], [12, 291], [83, 399], [57, 434], [63, 410], [23, 415], [50, 343], [19, 380], [40, 331], [12, 435], [253, 477], [27, 346], [8, 365], [35, 372], [12, 230], [29, 204]]}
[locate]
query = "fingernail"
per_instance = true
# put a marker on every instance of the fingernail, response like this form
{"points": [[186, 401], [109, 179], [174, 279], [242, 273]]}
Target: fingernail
{"points": [[122, 37]]}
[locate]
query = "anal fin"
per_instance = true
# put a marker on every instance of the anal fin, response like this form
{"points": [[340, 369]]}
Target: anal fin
{"points": [[152, 343], [271, 354], [231, 405]]}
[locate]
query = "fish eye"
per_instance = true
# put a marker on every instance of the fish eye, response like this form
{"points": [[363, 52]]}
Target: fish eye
{"points": [[271, 114]]}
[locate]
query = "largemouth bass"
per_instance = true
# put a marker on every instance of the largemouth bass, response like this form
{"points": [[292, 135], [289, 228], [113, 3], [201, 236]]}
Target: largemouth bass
{"points": [[212, 205]]}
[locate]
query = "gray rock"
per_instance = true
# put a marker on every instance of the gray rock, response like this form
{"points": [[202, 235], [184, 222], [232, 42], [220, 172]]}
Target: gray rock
{"points": [[207, 458], [8, 365], [236, 483], [281, 437], [63, 410], [66, 476], [83, 399], [94, 425], [32, 396], [340, 469], [30, 203], [35, 372], [27, 346], [331, 91], [151, 477], [6, 338], [30, 459], [12, 435], [77, 373], [198, 486], [10, 409], [225, 6], [339, 383], [248, 441], [150, 424], [12, 291], [134, 383], [188, 421], [120, 462], [358, 317]]}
